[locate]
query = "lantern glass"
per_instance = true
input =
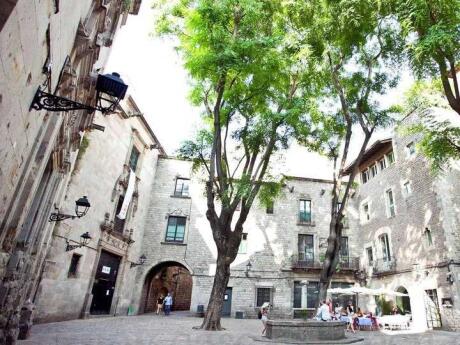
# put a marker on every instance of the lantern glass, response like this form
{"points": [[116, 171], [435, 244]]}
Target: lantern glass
{"points": [[112, 85], [248, 266], [81, 206], [85, 238]]}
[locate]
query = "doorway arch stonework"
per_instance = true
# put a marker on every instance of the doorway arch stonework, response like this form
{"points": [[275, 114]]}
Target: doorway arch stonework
{"points": [[167, 276]]}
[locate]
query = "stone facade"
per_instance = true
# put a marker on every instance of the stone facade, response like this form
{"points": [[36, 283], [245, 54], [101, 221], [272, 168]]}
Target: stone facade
{"points": [[58, 45], [414, 237], [271, 245], [102, 174]]}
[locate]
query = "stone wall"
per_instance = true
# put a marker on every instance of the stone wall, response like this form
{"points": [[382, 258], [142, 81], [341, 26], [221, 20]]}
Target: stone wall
{"points": [[272, 240], [54, 45], [98, 174], [418, 263]]}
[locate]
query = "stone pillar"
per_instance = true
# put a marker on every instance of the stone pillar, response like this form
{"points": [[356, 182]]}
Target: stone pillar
{"points": [[303, 300]]}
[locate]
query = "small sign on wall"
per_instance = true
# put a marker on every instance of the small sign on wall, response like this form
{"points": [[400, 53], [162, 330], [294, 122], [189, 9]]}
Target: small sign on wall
{"points": [[105, 269]]}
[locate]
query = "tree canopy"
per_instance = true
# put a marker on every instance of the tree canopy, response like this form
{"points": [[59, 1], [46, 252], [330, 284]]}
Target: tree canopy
{"points": [[431, 29]]}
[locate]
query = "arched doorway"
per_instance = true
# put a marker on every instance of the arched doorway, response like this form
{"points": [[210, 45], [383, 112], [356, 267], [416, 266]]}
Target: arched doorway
{"points": [[403, 302], [167, 277]]}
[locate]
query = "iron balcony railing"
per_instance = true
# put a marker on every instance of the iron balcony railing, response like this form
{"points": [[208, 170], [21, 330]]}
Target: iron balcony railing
{"points": [[382, 266], [345, 263], [305, 218]]}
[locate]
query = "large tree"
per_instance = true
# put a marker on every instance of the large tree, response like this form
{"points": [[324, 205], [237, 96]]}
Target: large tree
{"points": [[255, 91], [354, 52], [432, 32], [438, 128]]}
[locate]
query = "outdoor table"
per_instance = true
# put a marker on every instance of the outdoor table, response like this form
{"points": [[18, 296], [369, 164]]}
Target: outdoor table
{"points": [[365, 322], [394, 321], [345, 319]]}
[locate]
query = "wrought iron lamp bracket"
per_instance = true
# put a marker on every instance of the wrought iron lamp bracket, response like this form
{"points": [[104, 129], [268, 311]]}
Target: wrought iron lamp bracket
{"points": [[57, 217], [70, 247], [134, 264], [50, 102]]}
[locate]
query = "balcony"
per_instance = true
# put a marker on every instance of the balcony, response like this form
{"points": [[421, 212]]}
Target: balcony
{"points": [[305, 218], [348, 263], [299, 262], [345, 264], [383, 266]]}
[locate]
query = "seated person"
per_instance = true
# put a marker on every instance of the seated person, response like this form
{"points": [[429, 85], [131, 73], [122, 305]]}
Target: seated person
{"points": [[323, 312], [337, 311], [359, 313]]}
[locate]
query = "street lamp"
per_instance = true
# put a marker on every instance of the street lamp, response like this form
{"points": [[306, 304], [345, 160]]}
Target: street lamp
{"points": [[81, 208], [84, 240], [140, 262], [248, 268], [109, 88]]}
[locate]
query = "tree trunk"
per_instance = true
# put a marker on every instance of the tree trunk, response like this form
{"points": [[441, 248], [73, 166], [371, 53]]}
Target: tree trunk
{"points": [[331, 258], [213, 314]]}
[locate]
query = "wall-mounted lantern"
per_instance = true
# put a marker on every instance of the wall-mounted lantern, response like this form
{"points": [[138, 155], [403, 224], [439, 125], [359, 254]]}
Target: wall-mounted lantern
{"points": [[84, 240], [81, 208], [141, 261], [110, 89], [248, 268]]}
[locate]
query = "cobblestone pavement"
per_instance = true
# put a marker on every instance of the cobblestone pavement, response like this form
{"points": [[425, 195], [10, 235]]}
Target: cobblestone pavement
{"points": [[177, 330]]}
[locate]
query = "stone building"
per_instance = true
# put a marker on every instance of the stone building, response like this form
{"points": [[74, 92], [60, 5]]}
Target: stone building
{"points": [[58, 46], [115, 170], [280, 254], [409, 223]]}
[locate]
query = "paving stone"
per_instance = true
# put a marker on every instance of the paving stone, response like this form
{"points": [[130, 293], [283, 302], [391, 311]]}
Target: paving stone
{"points": [[176, 329]]}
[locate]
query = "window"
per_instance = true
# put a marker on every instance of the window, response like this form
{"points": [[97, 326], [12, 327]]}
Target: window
{"points": [[176, 229], [306, 248], [305, 211], [298, 295], [366, 212], [407, 188], [263, 295], [269, 209], [410, 149], [311, 299], [134, 158], [390, 203], [390, 157], [243, 244], [73, 268], [365, 176], [182, 185], [344, 255], [119, 224], [382, 163], [373, 170], [428, 238], [370, 256], [313, 294], [385, 245], [338, 206]]}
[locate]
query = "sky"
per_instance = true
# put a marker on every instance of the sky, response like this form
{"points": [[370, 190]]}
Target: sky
{"points": [[159, 84]]}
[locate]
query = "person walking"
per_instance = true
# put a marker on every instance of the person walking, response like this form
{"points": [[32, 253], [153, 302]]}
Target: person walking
{"points": [[264, 318], [168, 301], [351, 317], [160, 301]]}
